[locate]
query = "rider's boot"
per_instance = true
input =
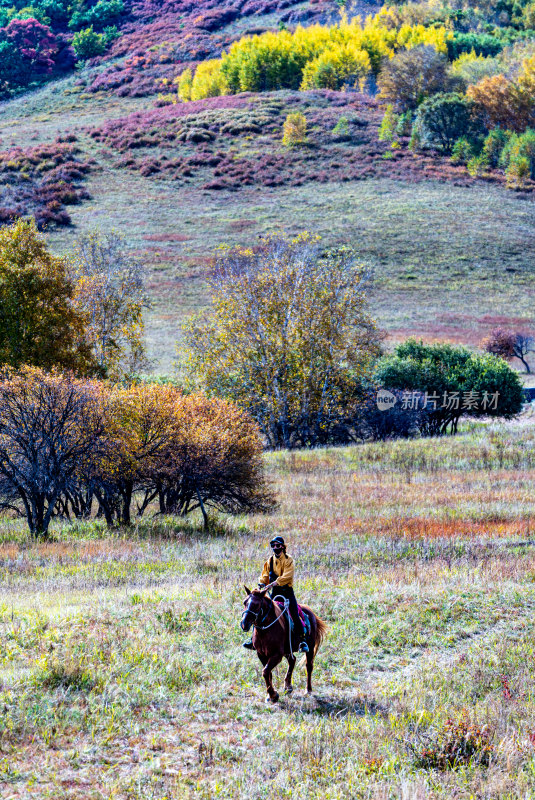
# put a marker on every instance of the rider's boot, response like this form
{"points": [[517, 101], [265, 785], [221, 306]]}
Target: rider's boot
{"points": [[303, 646], [248, 645]]}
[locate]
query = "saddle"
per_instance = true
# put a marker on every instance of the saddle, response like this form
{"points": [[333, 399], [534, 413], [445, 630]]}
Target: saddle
{"points": [[305, 619]]}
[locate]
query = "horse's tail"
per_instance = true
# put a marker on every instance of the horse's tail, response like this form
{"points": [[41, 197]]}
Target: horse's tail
{"points": [[321, 630]]}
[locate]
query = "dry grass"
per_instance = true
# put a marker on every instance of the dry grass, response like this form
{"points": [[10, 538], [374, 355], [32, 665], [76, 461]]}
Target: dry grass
{"points": [[122, 674]]}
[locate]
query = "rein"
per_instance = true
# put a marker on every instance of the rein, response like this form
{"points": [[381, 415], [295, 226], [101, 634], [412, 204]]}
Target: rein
{"points": [[286, 610], [277, 616]]}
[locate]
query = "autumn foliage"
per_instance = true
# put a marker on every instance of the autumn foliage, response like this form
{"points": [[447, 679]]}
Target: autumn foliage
{"points": [[510, 344], [40, 323], [41, 181], [29, 51], [74, 448], [288, 338], [502, 103], [331, 57], [83, 312]]}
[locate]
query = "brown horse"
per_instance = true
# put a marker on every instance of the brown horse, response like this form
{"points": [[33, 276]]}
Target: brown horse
{"points": [[271, 638]]}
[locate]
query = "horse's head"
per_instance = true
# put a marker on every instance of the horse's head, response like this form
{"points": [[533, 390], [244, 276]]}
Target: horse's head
{"points": [[253, 607]]}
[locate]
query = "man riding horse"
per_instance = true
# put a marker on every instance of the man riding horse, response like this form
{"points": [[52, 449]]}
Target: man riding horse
{"points": [[278, 576]]}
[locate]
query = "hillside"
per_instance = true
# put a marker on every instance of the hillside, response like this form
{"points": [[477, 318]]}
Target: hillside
{"points": [[450, 253]]}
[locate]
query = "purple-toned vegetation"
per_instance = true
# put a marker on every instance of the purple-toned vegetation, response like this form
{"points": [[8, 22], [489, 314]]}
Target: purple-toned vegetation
{"points": [[236, 141], [40, 181], [30, 52]]}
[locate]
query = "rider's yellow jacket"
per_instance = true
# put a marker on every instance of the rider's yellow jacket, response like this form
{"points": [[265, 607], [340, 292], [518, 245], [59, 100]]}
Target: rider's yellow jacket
{"points": [[283, 567]]}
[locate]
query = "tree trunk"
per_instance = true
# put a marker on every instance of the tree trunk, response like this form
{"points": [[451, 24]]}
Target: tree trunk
{"points": [[40, 530], [525, 363], [127, 501], [104, 508], [204, 514]]}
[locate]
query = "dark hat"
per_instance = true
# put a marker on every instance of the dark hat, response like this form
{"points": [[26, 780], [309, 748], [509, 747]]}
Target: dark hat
{"points": [[277, 540]]}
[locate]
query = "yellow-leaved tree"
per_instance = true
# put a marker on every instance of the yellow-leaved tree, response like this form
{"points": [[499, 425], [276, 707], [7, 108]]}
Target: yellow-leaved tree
{"points": [[288, 337], [318, 56], [185, 452], [39, 322], [140, 423], [213, 459]]}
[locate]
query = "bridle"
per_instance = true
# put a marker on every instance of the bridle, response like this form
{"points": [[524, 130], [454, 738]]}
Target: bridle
{"points": [[258, 622]]}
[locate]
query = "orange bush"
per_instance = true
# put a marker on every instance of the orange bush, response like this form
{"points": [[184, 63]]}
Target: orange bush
{"points": [[501, 103], [65, 443]]}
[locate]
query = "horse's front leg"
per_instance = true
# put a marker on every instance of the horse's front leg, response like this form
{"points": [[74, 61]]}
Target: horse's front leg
{"points": [[273, 696], [288, 688]]}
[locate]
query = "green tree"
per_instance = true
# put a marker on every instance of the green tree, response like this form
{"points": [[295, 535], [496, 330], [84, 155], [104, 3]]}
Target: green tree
{"points": [[477, 165], [443, 119], [459, 381], [88, 44], [98, 15], [11, 67], [40, 324], [341, 131], [462, 151], [404, 126], [110, 34], [389, 124], [289, 338], [482, 44], [494, 144], [517, 158]]}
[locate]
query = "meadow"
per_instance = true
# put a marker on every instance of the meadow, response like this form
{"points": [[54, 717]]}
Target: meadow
{"points": [[122, 674]]}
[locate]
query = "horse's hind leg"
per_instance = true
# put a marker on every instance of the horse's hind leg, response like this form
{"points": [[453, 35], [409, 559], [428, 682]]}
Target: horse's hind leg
{"points": [[288, 688], [310, 667], [273, 696]]}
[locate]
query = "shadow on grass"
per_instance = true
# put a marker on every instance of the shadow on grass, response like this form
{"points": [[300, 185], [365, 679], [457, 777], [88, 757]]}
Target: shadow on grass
{"points": [[335, 706]]}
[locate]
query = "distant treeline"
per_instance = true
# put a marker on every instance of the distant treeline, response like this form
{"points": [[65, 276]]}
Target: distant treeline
{"points": [[45, 39]]}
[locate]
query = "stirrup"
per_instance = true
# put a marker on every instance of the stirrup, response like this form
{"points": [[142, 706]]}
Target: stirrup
{"points": [[303, 647], [248, 645]]}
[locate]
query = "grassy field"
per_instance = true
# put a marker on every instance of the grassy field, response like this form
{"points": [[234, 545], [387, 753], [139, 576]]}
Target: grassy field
{"points": [[433, 273], [121, 670]]}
